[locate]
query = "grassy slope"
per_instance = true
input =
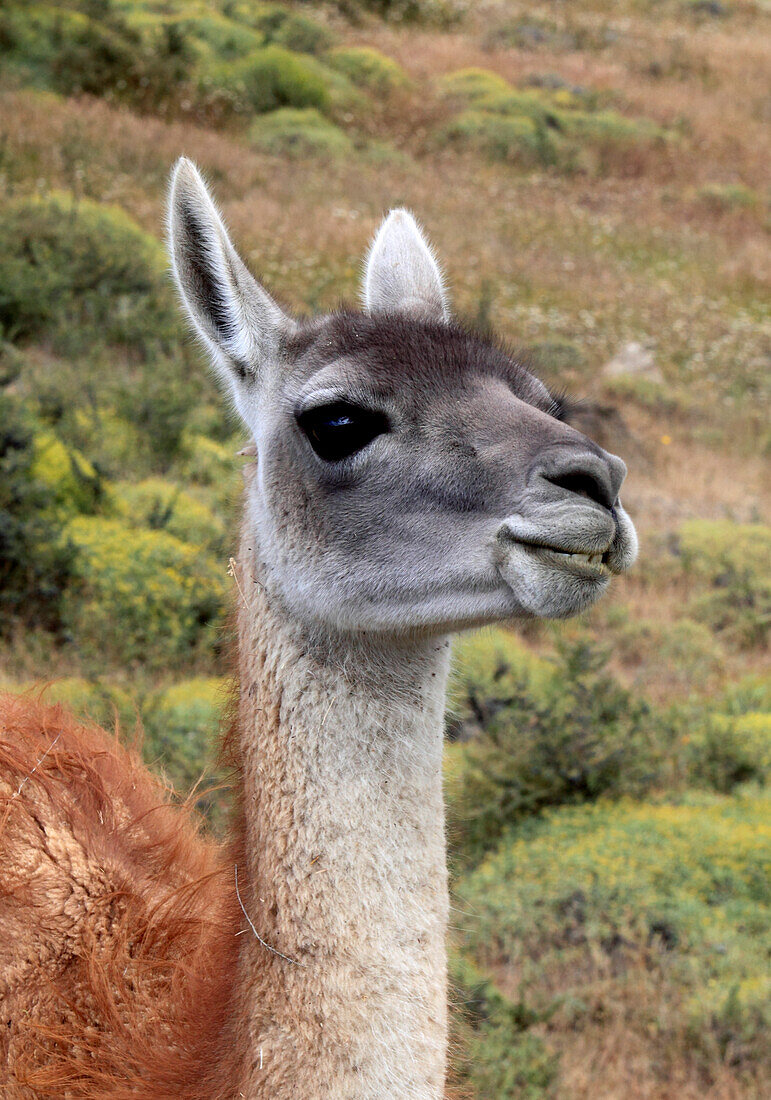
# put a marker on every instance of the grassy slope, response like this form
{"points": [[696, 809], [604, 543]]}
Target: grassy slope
{"points": [[653, 249]]}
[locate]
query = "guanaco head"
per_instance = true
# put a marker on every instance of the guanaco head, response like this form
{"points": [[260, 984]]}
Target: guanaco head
{"points": [[410, 475]]}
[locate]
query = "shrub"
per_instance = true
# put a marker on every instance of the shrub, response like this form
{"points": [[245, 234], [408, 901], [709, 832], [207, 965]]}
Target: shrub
{"points": [[89, 700], [79, 271], [95, 50], [603, 892], [499, 1053], [211, 465], [684, 654], [181, 724], [294, 31], [727, 751], [518, 140], [73, 483], [441, 12], [723, 198], [112, 443], [489, 666], [293, 131], [469, 85], [583, 736], [158, 401], [163, 506], [34, 565], [369, 68], [541, 126], [141, 595], [731, 559], [273, 77], [226, 38]]}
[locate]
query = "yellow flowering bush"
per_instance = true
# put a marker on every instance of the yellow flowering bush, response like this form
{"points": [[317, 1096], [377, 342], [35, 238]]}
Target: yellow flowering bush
{"points": [[93, 700], [163, 506], [141, 595], [110, 441], [72, 481], [210, 464], [594, 889], [181, 726], [731, 561]]}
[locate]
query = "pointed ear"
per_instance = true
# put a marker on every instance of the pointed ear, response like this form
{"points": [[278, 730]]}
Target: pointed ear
{"points": [[237, 319], [401, 273]]}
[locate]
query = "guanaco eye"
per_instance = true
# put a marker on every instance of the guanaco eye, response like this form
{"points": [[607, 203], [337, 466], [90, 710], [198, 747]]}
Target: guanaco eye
{"points": [[339, 430]]}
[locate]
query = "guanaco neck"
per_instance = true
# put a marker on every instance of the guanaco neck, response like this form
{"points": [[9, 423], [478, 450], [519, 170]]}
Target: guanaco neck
{"points": [[342, 983]]}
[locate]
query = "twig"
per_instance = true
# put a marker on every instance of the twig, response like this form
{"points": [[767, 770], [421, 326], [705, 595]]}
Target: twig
{"points": [[257, 935]]}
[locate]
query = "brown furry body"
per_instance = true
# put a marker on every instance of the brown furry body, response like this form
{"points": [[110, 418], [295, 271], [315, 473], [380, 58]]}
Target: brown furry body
{"points": [[118, 943]]}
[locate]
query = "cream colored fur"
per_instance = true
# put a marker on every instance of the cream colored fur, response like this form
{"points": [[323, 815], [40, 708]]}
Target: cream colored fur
{"points": [[346, 862]]}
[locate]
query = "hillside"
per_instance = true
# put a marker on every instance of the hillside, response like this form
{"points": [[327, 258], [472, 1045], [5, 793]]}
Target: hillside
{"points": [[594, 176]]}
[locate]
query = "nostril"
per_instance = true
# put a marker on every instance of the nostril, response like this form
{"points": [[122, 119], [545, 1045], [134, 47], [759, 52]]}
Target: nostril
{"points": [[585, 484]]}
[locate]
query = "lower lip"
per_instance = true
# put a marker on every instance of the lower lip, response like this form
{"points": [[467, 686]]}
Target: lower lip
{"points": [[575, 564]]}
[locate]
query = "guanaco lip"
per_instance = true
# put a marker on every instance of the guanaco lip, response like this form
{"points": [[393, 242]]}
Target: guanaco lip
{"points": [[595, 563]]}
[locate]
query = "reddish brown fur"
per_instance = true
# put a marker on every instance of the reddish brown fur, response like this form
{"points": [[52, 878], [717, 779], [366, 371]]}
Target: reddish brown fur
{"points": [[119, 944]]}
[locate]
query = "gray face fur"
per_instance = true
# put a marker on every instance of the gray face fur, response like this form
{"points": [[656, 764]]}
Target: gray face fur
{"points": [[469, 501]]}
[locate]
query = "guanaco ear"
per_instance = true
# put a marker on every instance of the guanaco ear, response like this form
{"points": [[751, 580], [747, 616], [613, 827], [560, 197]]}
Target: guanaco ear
{"points": [[237, 319], [401, 272]]}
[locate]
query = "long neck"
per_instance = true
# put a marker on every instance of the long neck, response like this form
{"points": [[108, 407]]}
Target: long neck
{"points": [[342, 984]]}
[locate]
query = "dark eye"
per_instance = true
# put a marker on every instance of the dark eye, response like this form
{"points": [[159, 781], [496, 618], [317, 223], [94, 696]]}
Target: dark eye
{"points": [[339, 430]]}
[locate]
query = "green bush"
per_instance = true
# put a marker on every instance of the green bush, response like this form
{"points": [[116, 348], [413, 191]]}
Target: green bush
{"points": [[441, 12], [608, 892], [141, 595], [731, 560], [368, 68], [496, 1054], [749, 695], [34, 565], [163, 506], [226, 38], [684, 654], [73, 483], [159, 400], [722, 198], [94, 50], [725, 751], [181, 725], [294, 131], [294, 31], [515, 139], [273, 77], [211, 465], [540, 126], [89, 700], [490, 666], [78, 271], [582, 736], [469, 85]]}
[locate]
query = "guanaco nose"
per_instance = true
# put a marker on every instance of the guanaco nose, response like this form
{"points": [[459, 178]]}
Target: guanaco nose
{"points": [[596, 477]]}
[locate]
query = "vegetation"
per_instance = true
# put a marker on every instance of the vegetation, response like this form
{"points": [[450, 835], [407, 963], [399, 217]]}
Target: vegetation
{"points": [[594, 182], [291, 131]]}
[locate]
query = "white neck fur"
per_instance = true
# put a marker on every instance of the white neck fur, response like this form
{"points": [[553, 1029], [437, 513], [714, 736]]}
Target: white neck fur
{"points": [[344, 870]]}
